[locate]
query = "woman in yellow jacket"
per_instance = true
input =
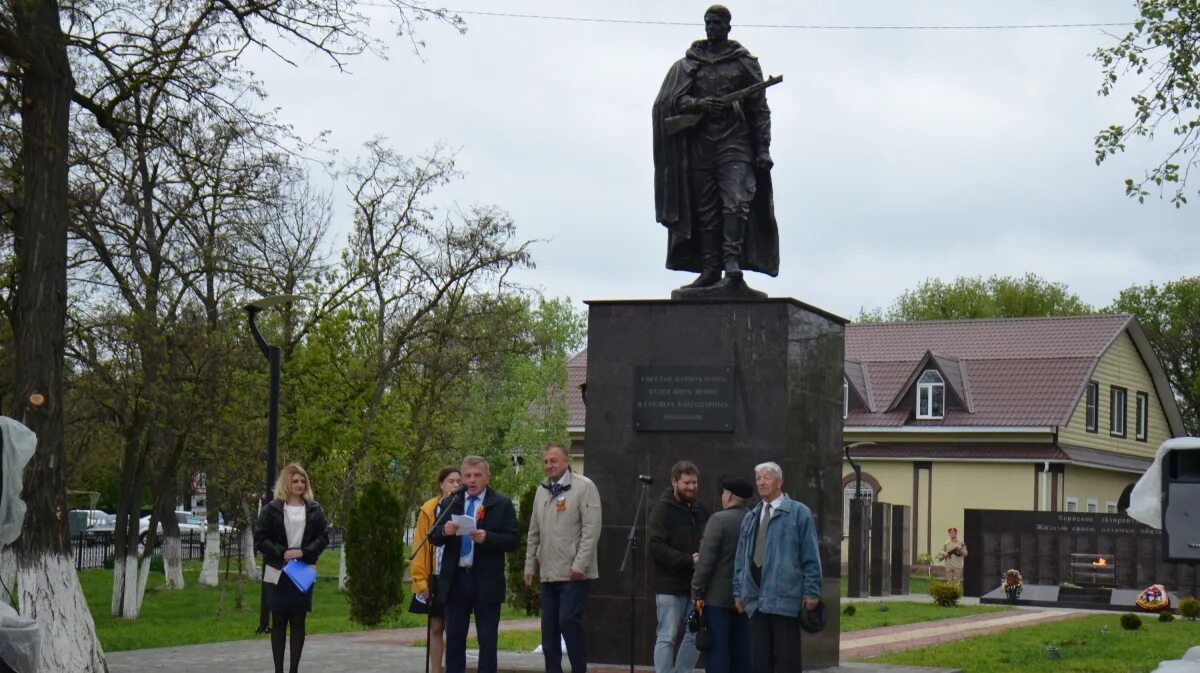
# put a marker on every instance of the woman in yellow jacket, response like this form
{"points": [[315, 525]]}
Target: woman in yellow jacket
{"points": [[426, 564]]}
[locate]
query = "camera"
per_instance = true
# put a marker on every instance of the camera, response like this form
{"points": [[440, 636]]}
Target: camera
{"points": [[693, 621]]}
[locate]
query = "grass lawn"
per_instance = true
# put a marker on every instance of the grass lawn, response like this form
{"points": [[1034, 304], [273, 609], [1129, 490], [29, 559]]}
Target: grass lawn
{"points": [[1082, 647], [868, 615], [209, 615]]}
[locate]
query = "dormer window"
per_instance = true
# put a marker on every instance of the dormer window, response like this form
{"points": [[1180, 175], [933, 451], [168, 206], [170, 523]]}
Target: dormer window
{"points": [[931, 395]]}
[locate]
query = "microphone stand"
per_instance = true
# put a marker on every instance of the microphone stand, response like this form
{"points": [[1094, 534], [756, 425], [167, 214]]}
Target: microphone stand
{"points": [[631, 545], [439, 521]]}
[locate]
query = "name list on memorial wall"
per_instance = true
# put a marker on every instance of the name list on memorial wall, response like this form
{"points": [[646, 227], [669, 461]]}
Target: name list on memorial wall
{"points": [[683, 399]]}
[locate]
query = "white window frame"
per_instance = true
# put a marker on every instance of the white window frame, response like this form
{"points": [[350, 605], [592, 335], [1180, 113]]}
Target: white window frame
{"points": [[925, 396], [1072, 504], [1117, 410], [845, 398], [868, 494], [1093, 506], [1142, 416], [1110, 507], [1091, 413]]}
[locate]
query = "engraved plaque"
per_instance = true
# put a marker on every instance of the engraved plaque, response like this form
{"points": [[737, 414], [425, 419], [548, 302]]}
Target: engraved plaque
{"points": [[683, 399]]}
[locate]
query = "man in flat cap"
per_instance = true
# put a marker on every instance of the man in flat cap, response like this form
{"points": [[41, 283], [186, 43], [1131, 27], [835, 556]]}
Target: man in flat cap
{"points": [[712, 583]]}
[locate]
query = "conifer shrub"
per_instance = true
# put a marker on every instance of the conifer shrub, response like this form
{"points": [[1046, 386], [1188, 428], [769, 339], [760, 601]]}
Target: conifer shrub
{"points": [[849, 610], [520, 596], [1189, 608], [945, 594], [374, 550], [1166, 617], [1131, 622]]}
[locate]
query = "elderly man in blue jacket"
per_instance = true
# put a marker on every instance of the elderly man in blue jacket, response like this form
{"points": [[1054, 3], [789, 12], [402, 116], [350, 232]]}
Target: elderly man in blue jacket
{"points": [[776, 572]]}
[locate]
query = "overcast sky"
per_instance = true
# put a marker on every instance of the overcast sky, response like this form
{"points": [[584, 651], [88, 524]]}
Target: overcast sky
{"points": [[900, 154]]}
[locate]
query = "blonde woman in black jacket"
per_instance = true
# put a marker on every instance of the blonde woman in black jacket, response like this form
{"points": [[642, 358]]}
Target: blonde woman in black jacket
{"points": [[292, 526]]}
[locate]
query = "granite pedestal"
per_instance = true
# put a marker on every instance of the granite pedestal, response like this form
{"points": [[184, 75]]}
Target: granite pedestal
{"points": [[777, 367]]}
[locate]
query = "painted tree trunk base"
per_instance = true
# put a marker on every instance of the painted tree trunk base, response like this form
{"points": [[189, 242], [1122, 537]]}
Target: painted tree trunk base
{"points": [[342, 571], [118, 592], [50, 595], [172, 551], [249, 562], [8, 574], [210, 573]]}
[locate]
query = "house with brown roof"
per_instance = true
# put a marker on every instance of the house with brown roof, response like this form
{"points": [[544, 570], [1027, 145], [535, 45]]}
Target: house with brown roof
{"points": [[1057, 413]]}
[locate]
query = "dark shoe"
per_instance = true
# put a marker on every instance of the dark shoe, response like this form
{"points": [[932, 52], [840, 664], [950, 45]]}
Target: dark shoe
{"points": [[710, 261], [707, 278]]}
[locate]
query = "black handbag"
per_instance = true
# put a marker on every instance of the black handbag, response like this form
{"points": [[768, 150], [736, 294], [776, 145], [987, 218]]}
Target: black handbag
{"points": [[416, 606], [698, 625]]}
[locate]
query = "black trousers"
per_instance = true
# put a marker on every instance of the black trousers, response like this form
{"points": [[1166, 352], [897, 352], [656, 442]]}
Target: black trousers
{"points": [[774, 643], [563, 604], [461, 602]]}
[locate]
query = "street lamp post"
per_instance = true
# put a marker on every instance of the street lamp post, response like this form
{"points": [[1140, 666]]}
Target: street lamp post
{"points": [[272, 353]]}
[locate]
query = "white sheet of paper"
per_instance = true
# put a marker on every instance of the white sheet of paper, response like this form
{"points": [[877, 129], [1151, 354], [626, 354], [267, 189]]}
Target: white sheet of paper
{"points": [[466, 524]]}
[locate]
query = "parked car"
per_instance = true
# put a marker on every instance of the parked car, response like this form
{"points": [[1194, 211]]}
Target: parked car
{"points": [[79, 520], [103, 528], [189, 523]]}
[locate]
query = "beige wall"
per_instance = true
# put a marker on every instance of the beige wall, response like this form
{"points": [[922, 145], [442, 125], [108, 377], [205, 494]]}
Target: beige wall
{"points": [[1121, 366], [1102, 485], [955, 486]]}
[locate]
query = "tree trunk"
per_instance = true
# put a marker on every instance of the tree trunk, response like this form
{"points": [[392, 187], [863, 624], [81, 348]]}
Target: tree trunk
{"points": [[50, 595], [8, 574], [172, 551], [131, 606], [249, 562], [49, 591], [342, 569], [210, 572]]}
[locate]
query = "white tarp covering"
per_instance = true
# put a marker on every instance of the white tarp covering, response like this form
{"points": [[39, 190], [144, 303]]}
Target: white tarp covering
{"points": [[1145, 501], [18, 448], [20, 640]]}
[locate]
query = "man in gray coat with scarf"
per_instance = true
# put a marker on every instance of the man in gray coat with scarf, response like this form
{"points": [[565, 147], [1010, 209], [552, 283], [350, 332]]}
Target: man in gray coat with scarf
{"points": [[712, 583]]}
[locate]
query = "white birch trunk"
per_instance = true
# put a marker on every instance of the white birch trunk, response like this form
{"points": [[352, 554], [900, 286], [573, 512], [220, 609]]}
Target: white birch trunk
{"points": [[142, 580], [8, 574], [118, 592], [131, 604], [342, 569], [172, 552], [249, 562], [210, 573], [50, 595]]}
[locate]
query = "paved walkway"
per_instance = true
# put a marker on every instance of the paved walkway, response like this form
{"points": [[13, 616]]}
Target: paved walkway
{"points": [[393, 650]]}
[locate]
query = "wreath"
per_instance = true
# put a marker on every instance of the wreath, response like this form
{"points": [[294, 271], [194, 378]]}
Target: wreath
{"points": [[1012, 584]]}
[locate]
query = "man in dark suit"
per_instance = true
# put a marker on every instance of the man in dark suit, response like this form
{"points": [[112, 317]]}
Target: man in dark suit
{"points": [[472, 570]]}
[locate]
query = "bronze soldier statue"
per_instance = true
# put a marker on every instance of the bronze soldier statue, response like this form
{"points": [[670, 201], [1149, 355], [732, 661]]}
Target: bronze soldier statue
{"points": [[712, 165]]}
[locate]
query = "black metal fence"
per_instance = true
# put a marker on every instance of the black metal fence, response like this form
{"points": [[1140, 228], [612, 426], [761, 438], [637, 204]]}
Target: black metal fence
{"points": [[97, 549]]}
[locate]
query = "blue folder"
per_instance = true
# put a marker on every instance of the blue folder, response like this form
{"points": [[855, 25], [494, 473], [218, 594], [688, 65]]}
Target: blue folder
{"points": [[302, 574]]}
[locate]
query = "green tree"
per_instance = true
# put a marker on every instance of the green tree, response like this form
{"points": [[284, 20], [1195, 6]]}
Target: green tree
{"points": [[520, 596], [1170, 314], [979, 297], [375, 555], [1160, 54]]}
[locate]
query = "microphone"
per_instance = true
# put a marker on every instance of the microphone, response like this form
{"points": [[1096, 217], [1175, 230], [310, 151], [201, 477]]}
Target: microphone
{"points": [[646, 479], [462, 488]]}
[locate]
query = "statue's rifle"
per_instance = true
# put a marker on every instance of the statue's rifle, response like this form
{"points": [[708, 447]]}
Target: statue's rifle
{"points": [[673, 125]]}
